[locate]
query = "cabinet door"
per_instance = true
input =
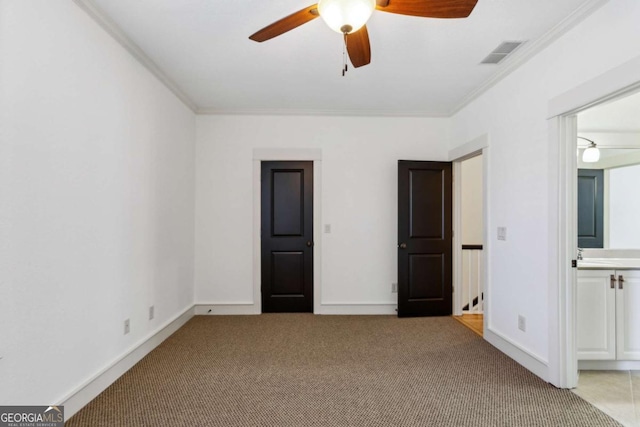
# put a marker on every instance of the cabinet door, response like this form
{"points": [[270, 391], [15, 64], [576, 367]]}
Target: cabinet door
{"points": [[596, 315], [628, 315]]}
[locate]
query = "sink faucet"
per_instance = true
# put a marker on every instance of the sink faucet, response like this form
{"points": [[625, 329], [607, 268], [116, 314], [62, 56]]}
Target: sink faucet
{"points": [[580, 254]]}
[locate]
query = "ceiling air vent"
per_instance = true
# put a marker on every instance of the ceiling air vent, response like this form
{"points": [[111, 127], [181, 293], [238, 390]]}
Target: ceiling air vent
{"points": [[501, 52]]}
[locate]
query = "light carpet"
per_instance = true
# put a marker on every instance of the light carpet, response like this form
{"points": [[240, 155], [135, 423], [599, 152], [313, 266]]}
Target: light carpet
{"points": [[305, 370]]}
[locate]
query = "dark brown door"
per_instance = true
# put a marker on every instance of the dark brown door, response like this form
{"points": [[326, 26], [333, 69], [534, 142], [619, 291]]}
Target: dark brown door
{"points": [[424, 238], [287, 237]]}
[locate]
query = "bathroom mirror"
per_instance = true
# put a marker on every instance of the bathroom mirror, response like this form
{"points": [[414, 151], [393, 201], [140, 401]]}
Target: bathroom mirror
{"points": [[614, 127]]}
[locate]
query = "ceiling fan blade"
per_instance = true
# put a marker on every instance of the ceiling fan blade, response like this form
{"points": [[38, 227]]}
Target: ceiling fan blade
{"points": [[359, 48], [286, 24], [428, 8]]}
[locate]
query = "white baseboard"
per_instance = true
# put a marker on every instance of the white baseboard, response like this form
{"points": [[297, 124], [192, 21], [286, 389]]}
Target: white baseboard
{"points": [[609, 365], [517, 353], [358, 309], [247, 308], [236, 308], [86, 392]]}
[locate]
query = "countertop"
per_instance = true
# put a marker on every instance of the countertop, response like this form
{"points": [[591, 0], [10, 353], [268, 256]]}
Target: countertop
{"points": [[609, 264]]}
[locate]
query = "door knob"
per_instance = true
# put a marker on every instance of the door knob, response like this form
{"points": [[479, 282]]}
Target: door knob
{"points": [[309, 244], [402, 246]]}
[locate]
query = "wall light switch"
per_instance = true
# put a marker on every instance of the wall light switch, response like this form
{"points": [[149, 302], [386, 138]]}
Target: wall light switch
{"points": [[502, 233], [327, 228]]}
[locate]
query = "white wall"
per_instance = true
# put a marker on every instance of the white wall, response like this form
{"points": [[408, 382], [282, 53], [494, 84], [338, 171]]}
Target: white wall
{"points": [[624, 206], [471, 205], [96, 201], [514, 115], [359, 179]]}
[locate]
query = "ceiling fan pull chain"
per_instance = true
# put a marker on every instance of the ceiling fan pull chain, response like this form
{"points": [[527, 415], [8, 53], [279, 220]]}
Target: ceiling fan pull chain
{"points": [[344, 56]]}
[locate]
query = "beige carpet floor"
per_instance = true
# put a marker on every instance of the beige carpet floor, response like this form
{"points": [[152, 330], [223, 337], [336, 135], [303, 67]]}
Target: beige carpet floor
{"points": [[305, 370]]}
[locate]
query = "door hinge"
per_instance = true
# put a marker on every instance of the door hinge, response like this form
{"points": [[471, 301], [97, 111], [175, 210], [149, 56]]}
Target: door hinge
{"points": [[574, 263], [453, 233]]}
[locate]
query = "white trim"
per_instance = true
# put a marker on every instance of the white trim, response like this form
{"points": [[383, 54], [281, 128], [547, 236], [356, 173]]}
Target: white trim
{"points": [[469, 149], [319, 112], [92, 387], [339, 308], [607, 86], [562, 234], [257, 229], [534, 363], [114, 31], [457, 238], [301, 154], [317, 233], [531, 49], [487, 246], [284, 154], [609, 365], [225, 308]]}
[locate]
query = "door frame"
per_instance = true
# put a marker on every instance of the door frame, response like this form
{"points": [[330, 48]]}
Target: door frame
{"points": [[476, 147], [287, 154], [562, 129]]}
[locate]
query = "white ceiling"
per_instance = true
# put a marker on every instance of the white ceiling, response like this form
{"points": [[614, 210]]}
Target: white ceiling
{"points": [[419, 66]]}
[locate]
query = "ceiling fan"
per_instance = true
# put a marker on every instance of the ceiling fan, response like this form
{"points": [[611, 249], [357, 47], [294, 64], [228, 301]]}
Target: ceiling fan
{"points": [[349, 17]]}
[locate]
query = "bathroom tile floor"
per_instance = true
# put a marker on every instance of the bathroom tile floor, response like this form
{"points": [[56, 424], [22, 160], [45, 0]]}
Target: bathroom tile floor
{"points": [[616, 393]]}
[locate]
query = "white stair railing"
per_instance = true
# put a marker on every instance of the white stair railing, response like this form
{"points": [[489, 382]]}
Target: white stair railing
{"points": [[472, 286]]}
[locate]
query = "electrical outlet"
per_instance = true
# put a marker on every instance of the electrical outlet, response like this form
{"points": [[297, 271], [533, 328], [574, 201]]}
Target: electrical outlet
{"points": [[522, 323], [502, 233], [394, 288], [151, 312], [127, 327]]}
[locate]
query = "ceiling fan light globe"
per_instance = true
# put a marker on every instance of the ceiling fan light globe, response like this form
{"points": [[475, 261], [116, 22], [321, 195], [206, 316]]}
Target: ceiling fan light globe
{"points": [[591, 154], [346, 15]]}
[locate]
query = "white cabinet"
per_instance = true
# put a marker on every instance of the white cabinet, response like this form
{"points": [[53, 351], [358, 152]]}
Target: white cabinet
{"points": [[596, 315], [608, 315], [628, 315]]}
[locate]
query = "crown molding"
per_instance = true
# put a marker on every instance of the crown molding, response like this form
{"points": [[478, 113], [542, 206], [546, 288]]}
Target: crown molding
{"points": [[114, 31], [317, 112], [531, 49]]}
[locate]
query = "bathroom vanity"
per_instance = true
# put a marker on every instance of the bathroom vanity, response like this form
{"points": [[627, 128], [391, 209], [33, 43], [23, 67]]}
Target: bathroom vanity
{"points": [[608, 308]]}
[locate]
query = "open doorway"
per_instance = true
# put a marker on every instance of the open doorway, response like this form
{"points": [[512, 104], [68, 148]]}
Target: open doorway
{"points": [[470, 289], [607, 281], [563, 133]]}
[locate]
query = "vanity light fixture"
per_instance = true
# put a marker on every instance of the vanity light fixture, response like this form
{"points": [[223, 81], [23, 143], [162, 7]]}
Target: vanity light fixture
{"points": [[591, 153]]}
